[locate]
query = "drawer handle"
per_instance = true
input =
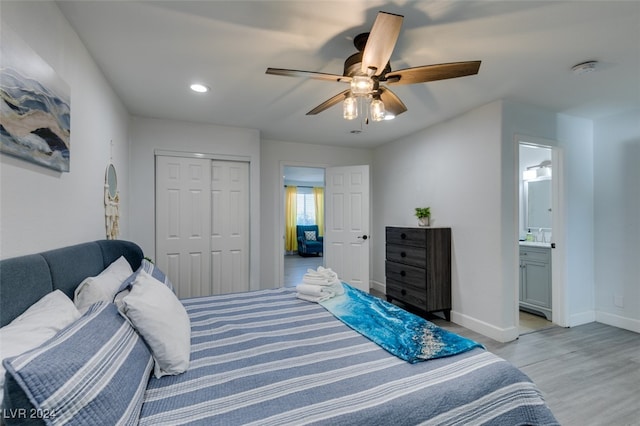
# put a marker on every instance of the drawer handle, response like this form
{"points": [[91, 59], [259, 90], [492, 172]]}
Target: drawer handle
{"points": [[403, 274], [403, 254], [403, 235], [403, 292]]}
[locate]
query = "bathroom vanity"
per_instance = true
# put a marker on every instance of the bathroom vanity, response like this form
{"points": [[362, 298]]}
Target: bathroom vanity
{"points": [[535, 278]]}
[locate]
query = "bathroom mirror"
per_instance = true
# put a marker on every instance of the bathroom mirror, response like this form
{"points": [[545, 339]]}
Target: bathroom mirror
{"points": [[538, 203], [111, 179]]}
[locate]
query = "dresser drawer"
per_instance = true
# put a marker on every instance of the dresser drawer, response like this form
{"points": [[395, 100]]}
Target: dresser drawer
{"points": [[406, 293], [414, 256], [406, 274], [406, 236]]}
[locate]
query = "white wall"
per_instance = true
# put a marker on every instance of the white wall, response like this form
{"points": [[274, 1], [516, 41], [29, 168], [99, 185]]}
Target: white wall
{"points": [[40, 208], [617, 220], [274, 156], [149, 135], [465, 169], [454, 168], [576, 138]]}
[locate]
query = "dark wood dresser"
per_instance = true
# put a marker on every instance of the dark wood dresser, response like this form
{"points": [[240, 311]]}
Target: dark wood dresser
{"points": [[418, 268]]}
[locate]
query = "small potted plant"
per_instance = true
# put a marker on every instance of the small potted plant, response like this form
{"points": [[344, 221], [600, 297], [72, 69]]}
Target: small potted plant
{"points": [[424, 215]]}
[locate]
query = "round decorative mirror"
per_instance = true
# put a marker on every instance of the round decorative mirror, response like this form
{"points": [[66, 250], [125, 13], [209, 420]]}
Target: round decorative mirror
{"points": [[111, 202], [111, 180]]}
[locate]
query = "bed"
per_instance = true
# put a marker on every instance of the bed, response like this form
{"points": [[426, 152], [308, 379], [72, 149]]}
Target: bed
{"points": [[263, 358]]}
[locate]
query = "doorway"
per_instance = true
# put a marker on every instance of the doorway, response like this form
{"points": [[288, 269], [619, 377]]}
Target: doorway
{"points": [[540, 303], [303, 211]]}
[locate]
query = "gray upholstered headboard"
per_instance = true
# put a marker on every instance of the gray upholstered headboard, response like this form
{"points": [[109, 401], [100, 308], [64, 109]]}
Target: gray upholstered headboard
{"points": [[25, 279]]}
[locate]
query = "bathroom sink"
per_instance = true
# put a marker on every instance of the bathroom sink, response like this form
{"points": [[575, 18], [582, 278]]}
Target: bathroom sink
{"points": [[534, 244]]}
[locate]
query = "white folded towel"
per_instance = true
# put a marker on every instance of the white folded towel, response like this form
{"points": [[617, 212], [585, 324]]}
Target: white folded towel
{"points": [[337, 288], [319, 285], [316, 299], [311, 290], [319, 281], [322, 272]]}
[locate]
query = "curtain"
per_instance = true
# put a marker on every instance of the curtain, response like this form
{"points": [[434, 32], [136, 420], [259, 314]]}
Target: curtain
{"points": [[318, 195], [290, 219]]}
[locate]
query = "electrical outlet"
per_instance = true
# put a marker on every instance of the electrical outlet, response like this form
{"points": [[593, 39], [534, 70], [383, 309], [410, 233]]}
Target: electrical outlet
{"points": [[617, 300]]}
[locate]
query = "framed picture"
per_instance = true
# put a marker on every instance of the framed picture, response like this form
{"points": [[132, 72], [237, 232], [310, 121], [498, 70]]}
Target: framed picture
{"points": [[35, 114]]}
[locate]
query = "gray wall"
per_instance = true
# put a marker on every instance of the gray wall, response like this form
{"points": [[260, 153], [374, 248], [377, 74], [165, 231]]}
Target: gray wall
{"points": [[466, 170], [41, 208], [617, 220], [149, 135], [274, 156]]}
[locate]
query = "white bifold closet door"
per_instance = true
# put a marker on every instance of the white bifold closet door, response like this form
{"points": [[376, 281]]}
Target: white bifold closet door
{"points": [[202, 224]]}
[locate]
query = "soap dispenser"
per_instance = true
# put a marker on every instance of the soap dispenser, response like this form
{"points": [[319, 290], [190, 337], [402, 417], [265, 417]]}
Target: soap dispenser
{"points": [[529, 235]]}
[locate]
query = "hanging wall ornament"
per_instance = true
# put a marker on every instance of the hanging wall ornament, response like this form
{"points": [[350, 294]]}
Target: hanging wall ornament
{"points": [[111, 203]]}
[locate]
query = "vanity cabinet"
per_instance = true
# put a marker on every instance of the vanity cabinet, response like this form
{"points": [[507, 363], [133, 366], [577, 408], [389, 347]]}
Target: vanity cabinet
{"points": [[418, 268], [535, 280]]}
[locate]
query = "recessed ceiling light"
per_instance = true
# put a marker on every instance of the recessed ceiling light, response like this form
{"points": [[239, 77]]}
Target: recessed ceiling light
{"points": [[200, 88]]}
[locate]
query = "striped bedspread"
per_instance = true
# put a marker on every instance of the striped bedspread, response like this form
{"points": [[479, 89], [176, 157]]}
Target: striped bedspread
{"points": [[268, 358]]}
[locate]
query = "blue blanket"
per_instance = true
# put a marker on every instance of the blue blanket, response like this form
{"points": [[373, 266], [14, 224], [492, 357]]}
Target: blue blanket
{"points": [[403, 334]]}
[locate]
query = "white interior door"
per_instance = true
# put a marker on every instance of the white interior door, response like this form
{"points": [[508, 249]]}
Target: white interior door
{"points": [[202, 224], [346, 238], [229, 226], [182, 223]]}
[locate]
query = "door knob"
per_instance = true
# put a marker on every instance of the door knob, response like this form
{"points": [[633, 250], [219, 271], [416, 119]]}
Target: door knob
{"points": [[364, 237]]}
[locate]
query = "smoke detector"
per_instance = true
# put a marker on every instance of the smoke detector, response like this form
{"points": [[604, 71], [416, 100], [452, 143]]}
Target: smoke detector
{"points": [[584, 67]]}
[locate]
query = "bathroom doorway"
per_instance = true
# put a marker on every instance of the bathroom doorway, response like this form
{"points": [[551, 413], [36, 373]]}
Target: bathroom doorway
{"points": [[539, 287]]}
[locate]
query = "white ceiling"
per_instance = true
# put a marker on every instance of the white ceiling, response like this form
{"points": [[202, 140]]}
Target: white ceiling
{"points": [[150, 51]]}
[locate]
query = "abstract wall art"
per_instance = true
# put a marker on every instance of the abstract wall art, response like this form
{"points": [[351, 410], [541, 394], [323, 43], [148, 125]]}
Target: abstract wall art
{"points": [[35, 109]]}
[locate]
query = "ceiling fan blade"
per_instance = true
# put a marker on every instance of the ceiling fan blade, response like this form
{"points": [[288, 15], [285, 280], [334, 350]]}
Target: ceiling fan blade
{"points": [[427, 73], [392, 102], [308, 74], [382, 39], [329, 102]]}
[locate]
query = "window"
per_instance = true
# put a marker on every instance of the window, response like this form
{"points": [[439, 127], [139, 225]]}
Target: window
{"points": [[306, 207]]}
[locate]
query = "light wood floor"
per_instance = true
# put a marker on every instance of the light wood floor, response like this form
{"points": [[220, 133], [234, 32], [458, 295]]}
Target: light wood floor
{"points": [[530, 323], [296, 266], [589, 375]]}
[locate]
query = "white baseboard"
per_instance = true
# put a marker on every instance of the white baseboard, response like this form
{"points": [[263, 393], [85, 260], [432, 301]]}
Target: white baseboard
{"points": [[502, 335], [618, 321], [511, 333], [378, 286], [582, 318]]}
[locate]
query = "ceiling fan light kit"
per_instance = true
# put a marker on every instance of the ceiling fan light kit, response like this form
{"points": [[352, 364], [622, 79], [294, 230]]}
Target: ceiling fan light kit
{"points": [[361, 85], [369, 67], [350, 108], [377, 109]]}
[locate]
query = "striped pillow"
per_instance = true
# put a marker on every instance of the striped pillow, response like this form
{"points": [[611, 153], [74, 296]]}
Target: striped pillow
{"points": [[150, 269], [93, 372]]}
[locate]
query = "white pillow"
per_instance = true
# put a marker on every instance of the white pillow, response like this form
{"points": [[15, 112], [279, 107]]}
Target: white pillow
{"points": [[103, 287], [35, 326], [159, 317]]}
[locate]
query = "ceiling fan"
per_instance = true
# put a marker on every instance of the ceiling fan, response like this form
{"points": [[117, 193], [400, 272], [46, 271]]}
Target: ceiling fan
{"points": [[369, 67]]}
